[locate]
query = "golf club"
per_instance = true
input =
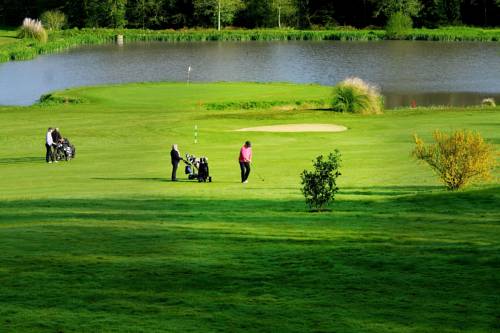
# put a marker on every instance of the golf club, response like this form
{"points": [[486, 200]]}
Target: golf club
{"points": [[258, 175]]}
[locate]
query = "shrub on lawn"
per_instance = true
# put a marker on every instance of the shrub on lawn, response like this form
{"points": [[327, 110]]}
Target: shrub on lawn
{"points": [[33, 29], [398, 25], [356, 96], [457, 158], [320, 185], [53, 19], [52, 99]]}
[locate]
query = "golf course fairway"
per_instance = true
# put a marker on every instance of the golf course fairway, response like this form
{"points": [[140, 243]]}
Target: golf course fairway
{"points": [[106, 243]]}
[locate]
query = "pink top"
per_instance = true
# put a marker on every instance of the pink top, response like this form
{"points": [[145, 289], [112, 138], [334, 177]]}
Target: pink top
{"points": [[245, 154]]}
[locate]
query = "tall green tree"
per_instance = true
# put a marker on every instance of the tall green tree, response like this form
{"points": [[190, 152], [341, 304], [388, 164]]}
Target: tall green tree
{"points": [[146, 13], [105, 13], [116, 10], [406, 7], [257, 13], [217, 12], [399, 15], [285, 10], [450, 10], [315, 12]]}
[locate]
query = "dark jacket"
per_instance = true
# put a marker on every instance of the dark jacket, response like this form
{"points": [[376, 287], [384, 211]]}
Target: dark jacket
{"points": [[56, 136], [174, 155]]}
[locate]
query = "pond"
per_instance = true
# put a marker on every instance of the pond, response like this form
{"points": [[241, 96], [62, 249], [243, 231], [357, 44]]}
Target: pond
{"points": [[431, 73]]}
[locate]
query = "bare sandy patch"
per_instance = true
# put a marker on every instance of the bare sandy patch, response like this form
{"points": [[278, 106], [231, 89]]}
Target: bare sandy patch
{"points": [[296, 128]]}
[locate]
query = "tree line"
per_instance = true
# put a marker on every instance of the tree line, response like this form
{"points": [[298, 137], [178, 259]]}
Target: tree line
{"points": [[306, 14]]}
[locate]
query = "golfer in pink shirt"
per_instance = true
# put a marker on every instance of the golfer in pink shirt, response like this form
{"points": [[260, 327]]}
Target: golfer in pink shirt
{"points": [[245, 159]]}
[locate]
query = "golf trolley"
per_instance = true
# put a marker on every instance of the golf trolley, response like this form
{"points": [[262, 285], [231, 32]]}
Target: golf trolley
{"points": [[64, 150], [197, 168]]}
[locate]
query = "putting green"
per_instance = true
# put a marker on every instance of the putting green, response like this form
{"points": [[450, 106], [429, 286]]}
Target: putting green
{"points": [[107, 243]]}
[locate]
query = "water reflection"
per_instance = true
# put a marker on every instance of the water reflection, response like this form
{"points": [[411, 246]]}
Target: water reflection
{"points": [[427, 72]]}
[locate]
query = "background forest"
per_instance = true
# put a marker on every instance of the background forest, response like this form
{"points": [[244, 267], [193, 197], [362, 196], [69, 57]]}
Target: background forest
{"points": [[161, 14]]}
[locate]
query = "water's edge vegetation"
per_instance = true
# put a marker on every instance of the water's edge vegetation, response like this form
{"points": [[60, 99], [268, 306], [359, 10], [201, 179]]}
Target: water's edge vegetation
{"points": [[25, 49]]}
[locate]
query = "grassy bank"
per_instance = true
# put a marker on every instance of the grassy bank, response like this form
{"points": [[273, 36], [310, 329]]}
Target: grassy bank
{"points": [[62, 40], [106, 243], [7, 36]]}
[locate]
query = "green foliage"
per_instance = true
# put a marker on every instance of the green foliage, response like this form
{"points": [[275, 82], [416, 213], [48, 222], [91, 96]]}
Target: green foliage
{"points": [[311, 14], [207, 11], [116, 13], [33, 29], [450, 11], [407, 7], [146, 13], [252, 105], [54, 98], [353, 95], [398, 25], [320, 185], [260, 13], [458, 158], [285, 12], [105, 13], [53, 19]]}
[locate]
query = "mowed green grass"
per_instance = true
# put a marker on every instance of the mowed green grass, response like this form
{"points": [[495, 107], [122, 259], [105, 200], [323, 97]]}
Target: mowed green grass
{"points": [[7, 36], [105, 243]]}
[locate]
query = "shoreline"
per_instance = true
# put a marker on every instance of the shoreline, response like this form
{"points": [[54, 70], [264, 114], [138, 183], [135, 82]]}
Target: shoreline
{"points": [[77, 96]]}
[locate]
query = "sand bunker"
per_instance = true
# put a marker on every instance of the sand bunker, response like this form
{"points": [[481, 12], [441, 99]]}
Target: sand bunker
{"points": [[296, 128]]}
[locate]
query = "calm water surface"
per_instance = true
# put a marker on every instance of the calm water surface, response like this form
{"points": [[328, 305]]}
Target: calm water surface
{"points": [[428, 72]]}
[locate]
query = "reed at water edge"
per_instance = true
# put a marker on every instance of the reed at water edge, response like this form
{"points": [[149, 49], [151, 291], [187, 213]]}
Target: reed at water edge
{"points": [[26, 49]]}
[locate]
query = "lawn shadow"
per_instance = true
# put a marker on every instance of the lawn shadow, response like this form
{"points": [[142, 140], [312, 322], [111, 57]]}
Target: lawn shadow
{"points": [[152, 179], [398, 201], [21, 160], [390, 190], [416, 256], [158, 179]]}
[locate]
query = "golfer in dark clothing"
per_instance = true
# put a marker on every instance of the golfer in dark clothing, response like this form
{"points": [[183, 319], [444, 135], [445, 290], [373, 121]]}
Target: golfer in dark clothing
{"points": [[245, 159], [176, 158], [56, 136]]}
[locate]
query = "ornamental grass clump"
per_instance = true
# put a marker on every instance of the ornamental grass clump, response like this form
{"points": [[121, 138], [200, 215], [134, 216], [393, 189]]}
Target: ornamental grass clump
{"points": [[32, 28], [354, 95], [488, 102], [457, 158]]}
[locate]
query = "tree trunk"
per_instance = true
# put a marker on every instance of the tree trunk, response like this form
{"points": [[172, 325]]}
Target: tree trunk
{"points": [[485, 13], [218, 17], [279, 17]]}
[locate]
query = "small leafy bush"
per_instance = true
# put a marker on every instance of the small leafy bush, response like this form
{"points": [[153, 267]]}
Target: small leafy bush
{"points": [[33, 29], [398, 25], [354, 95], [457, 158], [51, 99], [53, 19], [320, 185]]}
